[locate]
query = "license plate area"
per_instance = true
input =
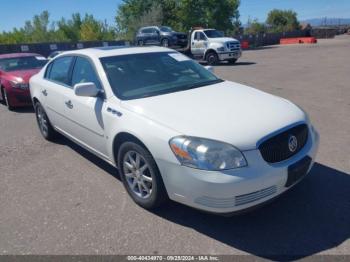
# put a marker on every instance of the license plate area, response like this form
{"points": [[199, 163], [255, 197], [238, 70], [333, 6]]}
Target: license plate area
{"points": [[298, 170]]}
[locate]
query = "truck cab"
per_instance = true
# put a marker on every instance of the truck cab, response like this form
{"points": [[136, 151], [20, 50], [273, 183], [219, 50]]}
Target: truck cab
{"points": [[212, 46]]}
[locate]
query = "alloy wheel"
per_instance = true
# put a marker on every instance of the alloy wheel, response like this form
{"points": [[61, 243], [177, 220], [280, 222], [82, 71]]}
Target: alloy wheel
{"points": [[42, 121], [138, 174]]}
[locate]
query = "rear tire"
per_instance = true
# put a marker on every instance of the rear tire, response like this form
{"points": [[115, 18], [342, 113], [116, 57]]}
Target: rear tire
{"points": [[140, 175], [45, 127], [212, 58], [6, 100]]}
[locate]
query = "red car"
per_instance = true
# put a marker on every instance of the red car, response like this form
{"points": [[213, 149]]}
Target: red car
{"points": [[15, 72]]}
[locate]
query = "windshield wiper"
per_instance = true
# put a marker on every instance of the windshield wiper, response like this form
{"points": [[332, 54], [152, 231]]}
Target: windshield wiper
{"points": [[201, 84]]}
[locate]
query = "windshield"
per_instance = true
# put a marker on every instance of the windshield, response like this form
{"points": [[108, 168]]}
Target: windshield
{"points": [[22, 63], [213, 33], [151, 74], [166, 29]]}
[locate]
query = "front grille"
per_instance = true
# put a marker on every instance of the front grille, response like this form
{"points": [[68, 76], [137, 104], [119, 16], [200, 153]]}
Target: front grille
{"points": [[255, 196], [277, 149], [233, 46], [23, 98]]}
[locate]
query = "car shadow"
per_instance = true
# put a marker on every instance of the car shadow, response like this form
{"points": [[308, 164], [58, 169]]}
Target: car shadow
{"points": [[261, 48], [312, 217], [22, 110], [61, 140], [236, 64]]}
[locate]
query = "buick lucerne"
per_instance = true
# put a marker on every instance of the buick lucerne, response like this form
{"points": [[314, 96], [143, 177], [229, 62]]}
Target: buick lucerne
{"points": [[173, 128]]}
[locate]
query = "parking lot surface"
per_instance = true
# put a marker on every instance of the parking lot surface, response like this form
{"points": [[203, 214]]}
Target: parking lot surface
{"points": [[57, 198]]}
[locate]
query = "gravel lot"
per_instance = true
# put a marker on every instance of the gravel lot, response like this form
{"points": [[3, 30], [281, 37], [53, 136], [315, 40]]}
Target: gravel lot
{"points": [[57, 198]]}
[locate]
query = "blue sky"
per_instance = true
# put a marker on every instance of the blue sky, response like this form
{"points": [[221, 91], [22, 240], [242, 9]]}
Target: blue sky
{"points": [[16, 12]]}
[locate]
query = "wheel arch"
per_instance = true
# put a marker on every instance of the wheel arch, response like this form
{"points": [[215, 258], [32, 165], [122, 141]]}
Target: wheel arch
{"points": [[122, 137], [210, 50]]}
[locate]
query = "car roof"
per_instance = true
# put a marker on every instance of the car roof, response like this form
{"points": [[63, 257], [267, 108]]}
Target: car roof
{"points": [[14, 55], [99, 52], [147, 27]]}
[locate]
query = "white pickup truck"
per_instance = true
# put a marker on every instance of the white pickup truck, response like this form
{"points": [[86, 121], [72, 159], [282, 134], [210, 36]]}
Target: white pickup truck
{"points": [[212, 46]]}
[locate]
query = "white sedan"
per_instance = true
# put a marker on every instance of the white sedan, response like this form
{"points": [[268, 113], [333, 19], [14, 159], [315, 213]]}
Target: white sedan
{"points": [[174, 129]]}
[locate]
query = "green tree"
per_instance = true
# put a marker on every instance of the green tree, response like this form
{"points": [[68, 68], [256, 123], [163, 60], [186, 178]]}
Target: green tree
{"points": [[254, 27], [179, 14], [282, 20], [40, 29], [223, 15], [90, 29], [69, 29], [37, 30], [133, 14]]}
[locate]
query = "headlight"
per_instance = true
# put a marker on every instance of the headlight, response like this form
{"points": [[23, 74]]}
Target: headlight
{"points": [[206, 154], [18, 83], [221, 49]]}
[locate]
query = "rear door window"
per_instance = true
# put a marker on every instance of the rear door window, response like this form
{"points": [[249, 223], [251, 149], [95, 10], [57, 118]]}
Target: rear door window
{"points": [[147, 31]]}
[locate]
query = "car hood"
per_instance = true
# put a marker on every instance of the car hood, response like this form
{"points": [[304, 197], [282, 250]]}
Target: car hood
{"points": [[223, 39], [24, 74], [228, 112]]}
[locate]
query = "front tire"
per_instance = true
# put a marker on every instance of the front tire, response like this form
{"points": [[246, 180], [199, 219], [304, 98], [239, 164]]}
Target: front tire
{"points": [[165, 42], [140, 176], [212, 58], [6, 99], [45, 127]]}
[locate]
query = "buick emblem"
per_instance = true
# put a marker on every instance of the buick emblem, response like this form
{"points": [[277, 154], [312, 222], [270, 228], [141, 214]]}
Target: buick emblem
{"points": [[292, 144]]}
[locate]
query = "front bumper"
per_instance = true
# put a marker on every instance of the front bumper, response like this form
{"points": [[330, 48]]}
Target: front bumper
{"points": [[19, 97], [230, 55], [232, 190]]}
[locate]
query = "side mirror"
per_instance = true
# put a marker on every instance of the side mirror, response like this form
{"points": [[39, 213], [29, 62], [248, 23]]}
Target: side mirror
{"points": [[86, 89], [210, 69]]}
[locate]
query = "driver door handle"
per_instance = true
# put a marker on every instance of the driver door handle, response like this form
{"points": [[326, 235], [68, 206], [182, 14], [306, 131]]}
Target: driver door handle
{"points": [[69, 104]]}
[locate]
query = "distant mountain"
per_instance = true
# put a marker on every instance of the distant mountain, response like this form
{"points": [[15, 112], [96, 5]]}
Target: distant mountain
{"points": [[327, 21]]}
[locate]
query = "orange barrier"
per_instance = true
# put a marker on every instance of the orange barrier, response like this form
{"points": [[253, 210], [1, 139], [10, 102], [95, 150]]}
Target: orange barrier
{"points": [[245, 44], [298, 40]]}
